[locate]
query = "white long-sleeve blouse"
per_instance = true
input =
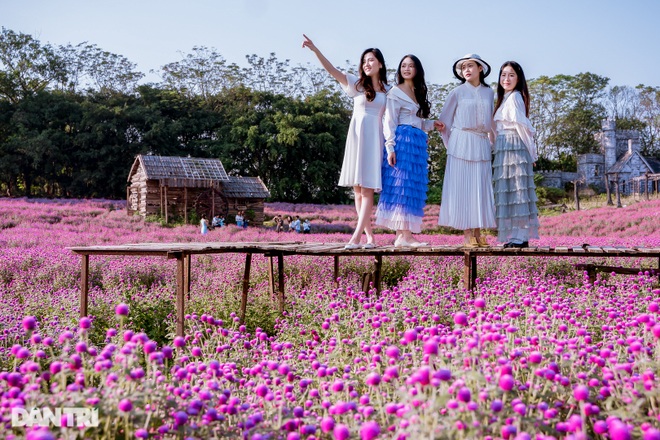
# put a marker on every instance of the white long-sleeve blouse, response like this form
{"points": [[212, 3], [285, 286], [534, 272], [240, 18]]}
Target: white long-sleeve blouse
{"points": [[467, 115], [511, 116], [401, 110]]}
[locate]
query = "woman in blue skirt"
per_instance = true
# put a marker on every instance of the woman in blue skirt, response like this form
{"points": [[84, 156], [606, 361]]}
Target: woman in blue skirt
{"points": [[405, 170], [515, 154]]}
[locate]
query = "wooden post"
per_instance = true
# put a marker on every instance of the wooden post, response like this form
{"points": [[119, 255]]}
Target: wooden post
{"points": [[576, 195], [618, 193], [467, 271], [212, 202], [473, 273], [607, 188], [336, 273], [246, 287], [84, 284], [186, 286], [162, 213], [180, 291], [377, 273], [165, 194], [280, 281], [128, 200], [185, 204], [271, 277], [646, 186]]}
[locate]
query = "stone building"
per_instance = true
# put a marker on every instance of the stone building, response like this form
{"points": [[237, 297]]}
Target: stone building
{"points": [[620, 161]]}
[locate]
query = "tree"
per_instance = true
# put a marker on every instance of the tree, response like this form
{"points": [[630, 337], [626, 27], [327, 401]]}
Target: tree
{"points": [[26, 66], [201, 73]]}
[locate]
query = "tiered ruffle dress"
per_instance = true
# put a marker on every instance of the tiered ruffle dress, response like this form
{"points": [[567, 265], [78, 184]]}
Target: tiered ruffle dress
{"points": [[364, 141], [513, 174], [467, 191], [402, 200]]}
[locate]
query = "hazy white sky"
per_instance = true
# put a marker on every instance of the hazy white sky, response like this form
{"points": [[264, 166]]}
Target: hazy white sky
{"points": [[616, 39]]}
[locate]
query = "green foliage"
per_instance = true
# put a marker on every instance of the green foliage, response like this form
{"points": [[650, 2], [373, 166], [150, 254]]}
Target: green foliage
{"points": [[394, 270], [550, 196]]}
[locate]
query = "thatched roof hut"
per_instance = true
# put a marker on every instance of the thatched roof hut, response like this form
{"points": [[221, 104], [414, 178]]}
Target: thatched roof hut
{"points": [[170, 185]]}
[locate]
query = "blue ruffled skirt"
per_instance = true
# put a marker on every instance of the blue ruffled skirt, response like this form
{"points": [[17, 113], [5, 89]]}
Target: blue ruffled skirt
{"points": [[403, 197]]}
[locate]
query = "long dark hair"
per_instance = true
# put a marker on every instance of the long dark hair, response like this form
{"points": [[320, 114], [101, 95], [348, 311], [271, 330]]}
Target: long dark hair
{"points": [[421, 92], [365, 83], [521, 86]]}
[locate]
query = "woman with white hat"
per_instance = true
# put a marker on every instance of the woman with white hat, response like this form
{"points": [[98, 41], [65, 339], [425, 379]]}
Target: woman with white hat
{"points": [[467, 192]]}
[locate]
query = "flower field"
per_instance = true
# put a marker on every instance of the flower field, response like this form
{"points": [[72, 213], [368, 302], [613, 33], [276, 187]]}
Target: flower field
{"points": [[535, 352]]}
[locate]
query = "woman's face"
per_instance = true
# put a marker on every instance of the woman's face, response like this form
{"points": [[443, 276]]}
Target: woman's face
{"points": [[408, 69], [508, 79], [470, 70], [370, 65]]}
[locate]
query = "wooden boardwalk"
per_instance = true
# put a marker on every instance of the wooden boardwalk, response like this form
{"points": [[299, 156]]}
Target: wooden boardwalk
{"points": [[182, 252]]}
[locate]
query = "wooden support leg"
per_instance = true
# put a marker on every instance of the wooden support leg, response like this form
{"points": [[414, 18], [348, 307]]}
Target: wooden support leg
{"points": [[180, 292], [280, 281], [468, 282], [246, 287], [271, 277], [377, 273], [336, 273], [84, 284], [473, 273], [186, 285]]}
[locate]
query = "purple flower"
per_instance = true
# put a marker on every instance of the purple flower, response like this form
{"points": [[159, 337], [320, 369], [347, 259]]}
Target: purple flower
{"points": [[506, 382], [460, 318], [619, 431], [341, 432], [327, 424], [40, 434], [581, 393], [121, 309], [373, 379], [85, 323], [464, 394], [29, 323], [369, 430], [125, 405]]}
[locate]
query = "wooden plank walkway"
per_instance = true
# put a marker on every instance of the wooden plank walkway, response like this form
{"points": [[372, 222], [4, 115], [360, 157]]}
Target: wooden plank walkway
{"points": [[183, 251]]}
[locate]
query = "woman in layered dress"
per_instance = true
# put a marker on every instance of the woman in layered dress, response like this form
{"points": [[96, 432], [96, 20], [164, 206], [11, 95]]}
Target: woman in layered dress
{"points": [[405, 169], [515, 154]]}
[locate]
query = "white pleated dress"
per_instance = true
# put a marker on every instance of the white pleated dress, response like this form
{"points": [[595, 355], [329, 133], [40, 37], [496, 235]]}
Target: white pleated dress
{"points": [[364, 142], [467, 191]]}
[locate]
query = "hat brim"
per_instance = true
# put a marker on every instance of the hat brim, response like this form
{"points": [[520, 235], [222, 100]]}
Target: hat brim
{"points": [[459, 63]]}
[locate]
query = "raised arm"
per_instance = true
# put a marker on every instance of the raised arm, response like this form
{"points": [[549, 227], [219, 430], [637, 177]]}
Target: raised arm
{"points": [[327, 65]]}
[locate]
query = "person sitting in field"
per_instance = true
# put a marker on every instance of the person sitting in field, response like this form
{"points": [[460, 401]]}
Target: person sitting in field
{"points": [[295, 226], [215, 223], [306, 226], [239, 219], [278, 223]]}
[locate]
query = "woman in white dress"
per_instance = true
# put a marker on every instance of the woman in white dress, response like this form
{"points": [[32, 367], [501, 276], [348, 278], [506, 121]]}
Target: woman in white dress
{"points": [[467, 191], [515, 154], [364, 142]]}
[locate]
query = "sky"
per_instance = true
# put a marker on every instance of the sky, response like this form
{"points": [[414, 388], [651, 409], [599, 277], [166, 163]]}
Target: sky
{"points": [[619, 40]]}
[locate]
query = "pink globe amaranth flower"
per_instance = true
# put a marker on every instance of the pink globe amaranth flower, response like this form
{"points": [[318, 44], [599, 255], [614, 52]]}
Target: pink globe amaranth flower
{"points": [[656, 330], [141, 433], [341, 432], [327, 424], [40, 434], [179, 342], [125, 405], [651, 434], [535, 357], [393, 352], [581, 393], [180, 418], [460, 318], [369, 430], [85, 323], [506, 382], [619, 431], [464, 394], [29, 323], [410, 335], [373, 379], [479, 303], [121, 309], [443, 374], [431, 347], [600, 427]]}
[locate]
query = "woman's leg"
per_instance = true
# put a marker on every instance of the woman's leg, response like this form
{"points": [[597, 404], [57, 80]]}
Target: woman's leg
{"points": [[366, 196]]}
